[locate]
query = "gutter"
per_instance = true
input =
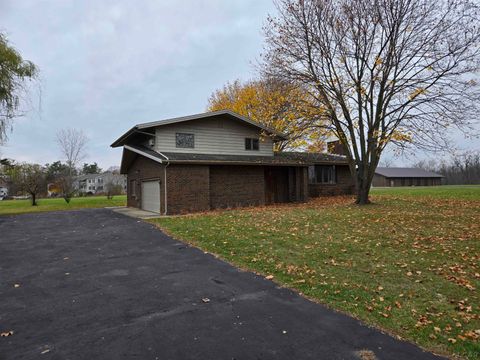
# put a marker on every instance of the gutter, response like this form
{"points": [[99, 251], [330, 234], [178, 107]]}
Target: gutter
{"points": [[165, 182]]}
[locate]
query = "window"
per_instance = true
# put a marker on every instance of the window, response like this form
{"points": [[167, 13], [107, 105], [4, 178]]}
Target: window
{"points": [[251, 144], [322, 174], [133, 185], [183, 140]]}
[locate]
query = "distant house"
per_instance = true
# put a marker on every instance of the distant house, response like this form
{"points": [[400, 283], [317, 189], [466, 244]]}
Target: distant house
{"points": [[3, 188], [96, 183], [405, 177], [218, 160]]}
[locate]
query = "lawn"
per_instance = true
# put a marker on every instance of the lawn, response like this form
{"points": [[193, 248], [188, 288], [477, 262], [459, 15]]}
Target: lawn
{"points": [[463, 192], [13, 207], [408, 264]]}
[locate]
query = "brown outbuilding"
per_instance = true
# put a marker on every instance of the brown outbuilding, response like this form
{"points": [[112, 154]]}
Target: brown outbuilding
{"points": [[396, 176]]}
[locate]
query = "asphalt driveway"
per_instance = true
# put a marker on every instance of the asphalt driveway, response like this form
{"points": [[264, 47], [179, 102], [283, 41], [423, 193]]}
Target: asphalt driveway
{"points": [[94, 284]]}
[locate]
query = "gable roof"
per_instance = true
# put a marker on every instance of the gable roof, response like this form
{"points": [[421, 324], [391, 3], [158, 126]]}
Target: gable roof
{"points": [[396, 172], [140, 128]]}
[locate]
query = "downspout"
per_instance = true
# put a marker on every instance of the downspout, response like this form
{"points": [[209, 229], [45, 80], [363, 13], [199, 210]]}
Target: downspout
{"points": [[165, 183]]}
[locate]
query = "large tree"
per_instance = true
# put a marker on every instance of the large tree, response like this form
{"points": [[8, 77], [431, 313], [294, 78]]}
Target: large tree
{"points": [[30, 179], [15, 72], [387, 71], [276, 104]]}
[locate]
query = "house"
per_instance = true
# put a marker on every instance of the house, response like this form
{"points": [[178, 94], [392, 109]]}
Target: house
{"points": [[218, 160], [97, 183], [3, 188], [385, 176]]}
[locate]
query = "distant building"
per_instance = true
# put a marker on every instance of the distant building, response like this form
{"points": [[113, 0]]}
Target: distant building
{"points": [[3, 189], [96, 183], [405, 177]]}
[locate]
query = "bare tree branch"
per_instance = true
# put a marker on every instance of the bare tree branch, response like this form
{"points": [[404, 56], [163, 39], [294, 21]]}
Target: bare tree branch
{"points": [[387, 71], [72, 143]]}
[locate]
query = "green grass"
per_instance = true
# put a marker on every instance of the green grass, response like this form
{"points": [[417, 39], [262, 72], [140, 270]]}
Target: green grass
{"points": [[446, 192], [409, 263], [13, 207]]}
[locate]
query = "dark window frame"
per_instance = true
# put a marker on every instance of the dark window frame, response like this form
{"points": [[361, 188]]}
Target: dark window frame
{"points": [[252, 144], [322, 174], [186, 144]]}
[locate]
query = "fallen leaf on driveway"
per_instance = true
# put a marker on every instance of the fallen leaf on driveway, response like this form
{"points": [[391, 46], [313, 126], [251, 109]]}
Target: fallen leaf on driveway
{"points": [[6, 333], [16, 285], [206, 300], [366, 355], [45, 351], [269, 277]]}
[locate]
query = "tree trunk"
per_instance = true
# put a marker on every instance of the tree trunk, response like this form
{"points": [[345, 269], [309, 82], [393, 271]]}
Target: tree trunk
{"points": [[34, 199], [362, 195], [363, 190]]}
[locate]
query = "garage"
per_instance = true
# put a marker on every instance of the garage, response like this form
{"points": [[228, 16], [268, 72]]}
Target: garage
{"points": [[151, 196]]}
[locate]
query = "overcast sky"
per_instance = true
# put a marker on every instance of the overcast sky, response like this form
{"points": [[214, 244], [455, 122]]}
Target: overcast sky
{"points": [[107, 65]]}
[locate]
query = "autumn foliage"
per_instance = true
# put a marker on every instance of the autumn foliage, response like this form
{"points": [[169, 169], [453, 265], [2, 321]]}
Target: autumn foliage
{"points": [[277, 105]]}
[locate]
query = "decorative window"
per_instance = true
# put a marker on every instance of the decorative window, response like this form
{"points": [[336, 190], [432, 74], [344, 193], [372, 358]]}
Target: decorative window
{"points": [[322, 174], [186, 141], [251, 144]]}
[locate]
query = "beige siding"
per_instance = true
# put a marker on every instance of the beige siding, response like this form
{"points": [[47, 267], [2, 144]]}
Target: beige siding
{"points": [[212, 136]]}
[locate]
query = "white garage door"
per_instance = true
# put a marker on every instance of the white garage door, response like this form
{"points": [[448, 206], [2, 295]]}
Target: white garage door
{"points": [[151, 196]]}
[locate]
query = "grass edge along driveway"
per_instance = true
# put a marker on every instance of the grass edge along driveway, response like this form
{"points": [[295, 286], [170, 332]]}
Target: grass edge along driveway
{"points": [[15, 207], [408, 264]]}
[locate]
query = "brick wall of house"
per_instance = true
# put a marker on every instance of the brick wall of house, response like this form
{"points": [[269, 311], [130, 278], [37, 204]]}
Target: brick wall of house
{"points": [[143, 169], [193, 188], [232, 186], [188, 188], [343, 186]]}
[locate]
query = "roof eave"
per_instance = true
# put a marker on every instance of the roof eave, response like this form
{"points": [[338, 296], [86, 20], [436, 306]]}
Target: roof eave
{"points": [[119, 142]]}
